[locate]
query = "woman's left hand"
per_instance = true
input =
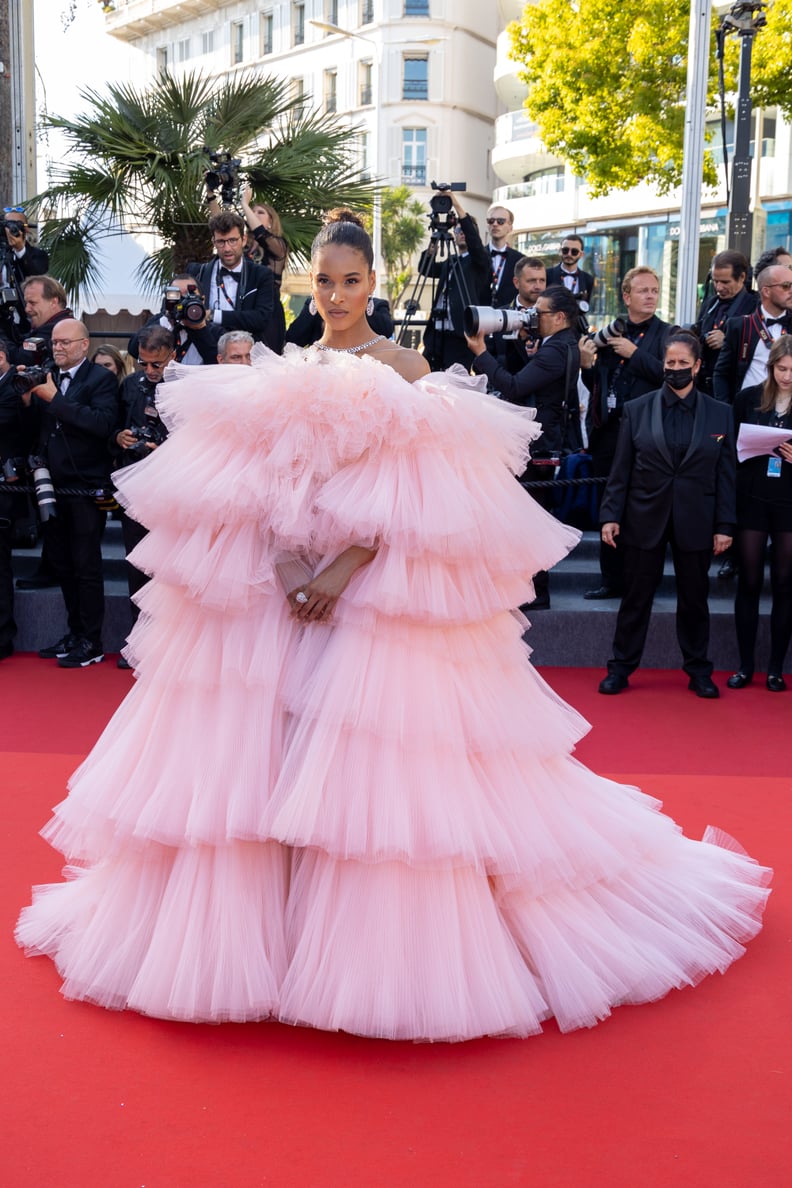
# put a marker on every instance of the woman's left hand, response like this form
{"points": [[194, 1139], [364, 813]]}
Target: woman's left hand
{"points": [[720, 543], [325, 588]]}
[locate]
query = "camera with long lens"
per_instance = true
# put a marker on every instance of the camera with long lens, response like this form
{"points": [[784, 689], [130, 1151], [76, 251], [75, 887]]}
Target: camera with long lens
{"points": [[42, 484], [443, 216], [223, 175], [189, 307], [604, 337], [483, 319]]}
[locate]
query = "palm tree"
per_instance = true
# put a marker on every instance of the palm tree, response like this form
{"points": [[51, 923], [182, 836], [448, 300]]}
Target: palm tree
{"points": [[137, 160]]}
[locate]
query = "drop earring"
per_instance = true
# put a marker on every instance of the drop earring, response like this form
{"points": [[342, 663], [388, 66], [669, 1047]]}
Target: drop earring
{"points": [[312, 308], [370, 307]]}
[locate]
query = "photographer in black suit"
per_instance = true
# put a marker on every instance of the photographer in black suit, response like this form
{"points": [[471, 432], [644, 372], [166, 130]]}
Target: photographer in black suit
{"points": [[17, 428], [463, 278], [503, 257], [18, 260], [567, 272], [673, 481], [731, 299], [548, 383], [239, 293], [183, 314], [79, 406]]}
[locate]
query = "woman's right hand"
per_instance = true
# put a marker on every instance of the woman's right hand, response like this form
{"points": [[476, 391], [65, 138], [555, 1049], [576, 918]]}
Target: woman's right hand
{"points": [[609, 532]]}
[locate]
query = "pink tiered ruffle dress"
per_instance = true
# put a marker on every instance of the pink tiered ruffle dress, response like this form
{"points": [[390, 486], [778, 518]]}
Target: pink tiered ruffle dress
{"points": [[375, 825]]}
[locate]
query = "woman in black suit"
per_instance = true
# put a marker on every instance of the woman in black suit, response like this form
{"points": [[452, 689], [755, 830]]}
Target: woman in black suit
{"points": [[672, 482], [764, 512]]}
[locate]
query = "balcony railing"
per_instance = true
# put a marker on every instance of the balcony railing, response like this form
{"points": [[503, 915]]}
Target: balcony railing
{"points": [[415, 88], [413, 175], [366, 96]]}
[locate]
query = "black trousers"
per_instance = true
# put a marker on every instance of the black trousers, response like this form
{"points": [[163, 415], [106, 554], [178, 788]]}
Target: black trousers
{"points": [[133, 533], [643, 569], [602, 447], [74, 538], [8, 627]]}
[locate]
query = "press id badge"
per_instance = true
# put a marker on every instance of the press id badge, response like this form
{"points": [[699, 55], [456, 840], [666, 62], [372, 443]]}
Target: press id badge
{"points": [[611, 401], [773, 467]]}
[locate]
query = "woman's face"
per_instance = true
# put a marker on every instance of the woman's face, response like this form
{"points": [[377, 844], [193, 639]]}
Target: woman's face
{"points": [[679, 356], [782, 373], [341, 283], [266, 218], [108, 362]]}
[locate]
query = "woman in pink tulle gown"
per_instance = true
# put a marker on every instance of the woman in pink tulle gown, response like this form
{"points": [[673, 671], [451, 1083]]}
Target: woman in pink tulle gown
{"points": [[352, 803]]}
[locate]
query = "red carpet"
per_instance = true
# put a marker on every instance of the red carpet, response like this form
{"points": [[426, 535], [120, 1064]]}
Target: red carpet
{"points": [[693, 1091]]}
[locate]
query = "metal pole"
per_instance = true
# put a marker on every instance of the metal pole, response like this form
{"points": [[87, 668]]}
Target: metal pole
{"points": [[693, 161]]}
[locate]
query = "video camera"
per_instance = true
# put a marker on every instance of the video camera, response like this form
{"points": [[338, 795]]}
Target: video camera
{"points": [[189, 307], [443, 216], [223, 175]]}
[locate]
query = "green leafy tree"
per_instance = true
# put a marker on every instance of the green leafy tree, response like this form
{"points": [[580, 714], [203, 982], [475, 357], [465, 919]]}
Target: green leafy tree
{"points": [[404, 227], [137, 159], [606, 83]]}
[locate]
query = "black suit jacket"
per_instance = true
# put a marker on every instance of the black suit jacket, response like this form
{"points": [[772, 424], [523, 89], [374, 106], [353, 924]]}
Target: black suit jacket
{"points": [[205, 339], [644, 370], [741, 337], [255, 299], [548, 383], [76, 426], [34, 262], [17, 422], [710, 318], [644, 489], [555, 276], [503, 293]]}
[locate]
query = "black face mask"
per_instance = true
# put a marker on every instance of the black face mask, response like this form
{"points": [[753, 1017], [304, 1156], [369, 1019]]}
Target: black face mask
{"points": [[679, 378]]}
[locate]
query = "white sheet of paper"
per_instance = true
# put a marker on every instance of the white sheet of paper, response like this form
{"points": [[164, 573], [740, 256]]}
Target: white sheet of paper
{"points": [[755, 440]]}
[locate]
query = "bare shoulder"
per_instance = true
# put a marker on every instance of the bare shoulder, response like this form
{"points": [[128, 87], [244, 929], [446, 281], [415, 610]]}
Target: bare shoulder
{"points": [[410, 365]]}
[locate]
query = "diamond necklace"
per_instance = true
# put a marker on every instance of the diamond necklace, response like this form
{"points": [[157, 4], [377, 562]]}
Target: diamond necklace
{"points": [[355, 350]]}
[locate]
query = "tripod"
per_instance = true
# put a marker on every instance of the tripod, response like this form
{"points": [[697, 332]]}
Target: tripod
{"points": [[441, 265]]}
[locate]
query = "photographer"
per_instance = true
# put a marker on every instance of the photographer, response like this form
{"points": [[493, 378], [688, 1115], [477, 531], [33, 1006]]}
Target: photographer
{"points": [[464, 278], [548, 383], [139, 431], [18, 260], [79, 406], [183, 313], [234, 348], [17, 433], [240, 294]]}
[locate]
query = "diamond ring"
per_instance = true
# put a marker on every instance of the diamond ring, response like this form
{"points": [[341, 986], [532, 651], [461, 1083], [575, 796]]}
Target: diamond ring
{"points": [[302, 597]]}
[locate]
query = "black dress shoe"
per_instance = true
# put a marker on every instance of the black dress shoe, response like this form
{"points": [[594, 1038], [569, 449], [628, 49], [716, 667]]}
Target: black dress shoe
{"points": [[775, 683], [122, 662], [704, 686], [613, 683], [738, 680], [602, 592], [727, 570]]}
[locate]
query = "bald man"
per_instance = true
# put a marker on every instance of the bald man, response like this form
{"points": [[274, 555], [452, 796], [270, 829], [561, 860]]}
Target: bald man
{"points": [[79, 407]]}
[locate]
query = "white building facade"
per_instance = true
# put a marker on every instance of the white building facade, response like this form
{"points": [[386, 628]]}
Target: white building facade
{"points": [[628, 227], [415, 76]]}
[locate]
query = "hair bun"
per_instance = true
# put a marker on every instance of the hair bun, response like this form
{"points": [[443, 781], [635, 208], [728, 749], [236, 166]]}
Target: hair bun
{"points": [[342, 214]]}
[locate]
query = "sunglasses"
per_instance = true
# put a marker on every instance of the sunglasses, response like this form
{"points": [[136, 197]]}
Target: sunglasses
{"points": [[571, 252], [13, 210], [785, 285], [500, 222]]}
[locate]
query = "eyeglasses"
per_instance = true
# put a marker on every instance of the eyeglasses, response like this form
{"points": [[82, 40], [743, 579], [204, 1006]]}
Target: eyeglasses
{"points": [[571, 252], [500, 222], [223, 242], [785, 285], [56, 342]]}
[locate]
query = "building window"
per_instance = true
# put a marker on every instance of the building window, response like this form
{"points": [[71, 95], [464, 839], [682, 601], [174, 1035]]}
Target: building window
{"points": [[266, 33], [162, 58], [365, 78], [183, 49], [330, 90], [414, 156], [367, 12], [414, 8], [415, 81], [297, 94], [237, 42], [364, 155], [207, 41], [298, 24], [331, 12]]}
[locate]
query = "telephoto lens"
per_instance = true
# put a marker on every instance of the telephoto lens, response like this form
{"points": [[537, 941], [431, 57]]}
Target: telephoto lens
{"points": [[45, 492]]}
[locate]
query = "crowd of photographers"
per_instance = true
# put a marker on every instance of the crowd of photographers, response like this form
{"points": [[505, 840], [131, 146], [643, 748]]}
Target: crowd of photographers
{"points": [[67, 420]]}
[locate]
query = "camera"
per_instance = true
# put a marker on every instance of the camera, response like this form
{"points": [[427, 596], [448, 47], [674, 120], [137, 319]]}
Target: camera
{"points": [[614, 329], [42, 483], [443, 216], [29, 377], [11, 469], [152, 433], [223, 175], [189, 308], [8, 296], [16, 228], [483, 319]]}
